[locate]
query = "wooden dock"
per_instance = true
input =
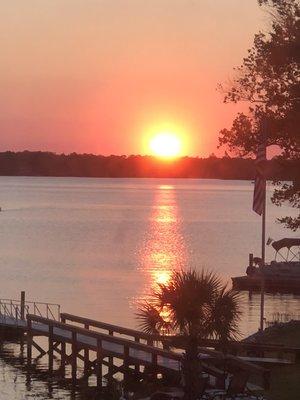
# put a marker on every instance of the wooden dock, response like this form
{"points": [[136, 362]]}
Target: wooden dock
{"points": [[103, 349], [88, 347]]}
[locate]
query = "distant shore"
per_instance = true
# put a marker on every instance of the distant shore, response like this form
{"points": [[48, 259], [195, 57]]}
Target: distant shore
{"points": [[38, 163]]}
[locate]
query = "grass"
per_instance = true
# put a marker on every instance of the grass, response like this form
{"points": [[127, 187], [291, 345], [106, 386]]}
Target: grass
{"points": [[285, 380]]}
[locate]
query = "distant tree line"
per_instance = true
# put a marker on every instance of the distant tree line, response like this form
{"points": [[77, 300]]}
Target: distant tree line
{"points": [[38, 163]]}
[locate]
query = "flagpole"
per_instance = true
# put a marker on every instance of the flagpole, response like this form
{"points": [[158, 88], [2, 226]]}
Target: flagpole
{"points": [[259, 206], [263, 257], [263, 229]]}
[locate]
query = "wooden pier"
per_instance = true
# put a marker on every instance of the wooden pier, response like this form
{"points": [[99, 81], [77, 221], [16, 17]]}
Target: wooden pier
{"points": [[77, 348], [107, 350], [103, 350]]}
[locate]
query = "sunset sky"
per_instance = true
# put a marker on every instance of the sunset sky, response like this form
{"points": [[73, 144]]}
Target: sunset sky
{"points": [[103, 76]]}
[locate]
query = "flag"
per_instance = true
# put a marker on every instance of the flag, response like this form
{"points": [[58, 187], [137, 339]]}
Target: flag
{"points": [[260, 180]]}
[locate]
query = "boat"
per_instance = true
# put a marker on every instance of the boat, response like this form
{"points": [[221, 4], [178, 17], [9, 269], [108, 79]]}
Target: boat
{"points": [[281, 275]]}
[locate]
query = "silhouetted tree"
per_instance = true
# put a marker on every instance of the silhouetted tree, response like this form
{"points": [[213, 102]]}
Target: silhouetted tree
{"points": [[134, 166], [192, 306], [269, 79]]}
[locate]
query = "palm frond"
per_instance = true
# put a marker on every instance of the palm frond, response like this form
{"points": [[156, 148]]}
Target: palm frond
{"points": [[225, 314], [194, 304], [150, 319], [188, 295]]}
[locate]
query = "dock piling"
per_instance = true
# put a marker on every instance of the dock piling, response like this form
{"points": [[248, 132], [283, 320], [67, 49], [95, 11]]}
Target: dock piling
{"points": [[74, 358], [86, 359], [29, 342], [50, 351], [23, 305], [99, 364]]}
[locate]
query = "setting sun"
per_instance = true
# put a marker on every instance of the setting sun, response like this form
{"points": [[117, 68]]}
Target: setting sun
{"points": [[165, 137], [165, 145]]}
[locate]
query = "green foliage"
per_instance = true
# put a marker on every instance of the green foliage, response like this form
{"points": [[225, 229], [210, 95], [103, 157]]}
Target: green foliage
{"points": [[269, 80]]}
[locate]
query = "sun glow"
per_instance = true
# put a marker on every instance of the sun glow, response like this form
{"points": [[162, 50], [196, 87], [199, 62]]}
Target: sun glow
{"points": [[165, 137], [165, 144], [161, 277]]}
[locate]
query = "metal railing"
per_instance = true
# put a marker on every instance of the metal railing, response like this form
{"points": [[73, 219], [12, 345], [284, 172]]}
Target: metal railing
{"points": [[11, 312], [12, 308], [278, 318]]}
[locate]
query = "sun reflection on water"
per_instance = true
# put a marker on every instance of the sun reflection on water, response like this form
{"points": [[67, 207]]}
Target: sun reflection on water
{"points": [[164, 248]]}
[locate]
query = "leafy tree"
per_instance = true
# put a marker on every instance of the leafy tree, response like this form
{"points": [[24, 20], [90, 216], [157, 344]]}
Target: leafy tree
{"points": [[269, 80], [192, 306]]}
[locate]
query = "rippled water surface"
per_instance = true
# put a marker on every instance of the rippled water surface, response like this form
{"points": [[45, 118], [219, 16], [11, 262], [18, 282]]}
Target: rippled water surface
{"points": [[97, 245]]}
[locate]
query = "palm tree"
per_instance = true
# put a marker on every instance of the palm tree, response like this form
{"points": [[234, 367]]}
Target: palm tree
{"points": [[193, 306]]}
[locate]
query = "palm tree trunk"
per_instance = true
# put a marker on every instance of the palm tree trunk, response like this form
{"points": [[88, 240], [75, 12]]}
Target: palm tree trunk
{"points": [[191, 370]]}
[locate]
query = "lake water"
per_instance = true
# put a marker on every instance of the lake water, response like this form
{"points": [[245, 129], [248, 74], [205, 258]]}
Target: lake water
{"points": [[96, 246]]}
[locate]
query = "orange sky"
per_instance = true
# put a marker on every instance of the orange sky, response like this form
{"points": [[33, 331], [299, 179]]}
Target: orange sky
{"points": [[97, 75]]}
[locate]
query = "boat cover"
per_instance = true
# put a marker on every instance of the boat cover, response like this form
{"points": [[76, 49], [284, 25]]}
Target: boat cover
{"points": [[286, 242]]}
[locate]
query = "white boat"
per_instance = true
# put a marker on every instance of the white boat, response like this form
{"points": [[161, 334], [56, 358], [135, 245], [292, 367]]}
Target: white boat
{"points": [[281, 275]]}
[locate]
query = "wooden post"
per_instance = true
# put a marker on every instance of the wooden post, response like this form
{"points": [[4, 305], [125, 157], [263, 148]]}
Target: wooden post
{"points": [[250, 260], [126, 363], [297, 356], [166, 346], [63, 358], [50, 350], [23, 305], [86, 355], [22, 348], [63, 353], [137, 367], [99, 364], [266, 380], [29, 342], [74, 358], [110, 361], [154, 364]]}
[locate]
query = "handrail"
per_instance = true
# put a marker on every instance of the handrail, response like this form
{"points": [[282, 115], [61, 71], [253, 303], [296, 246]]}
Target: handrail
{"points": [[134, 333], [31, 302], [167, 339], [9, 309], [37, 307], [110, 327], [103, 336]]}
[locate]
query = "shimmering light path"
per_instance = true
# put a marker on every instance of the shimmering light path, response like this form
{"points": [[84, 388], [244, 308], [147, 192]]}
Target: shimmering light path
{"points": [[164, 247]]}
